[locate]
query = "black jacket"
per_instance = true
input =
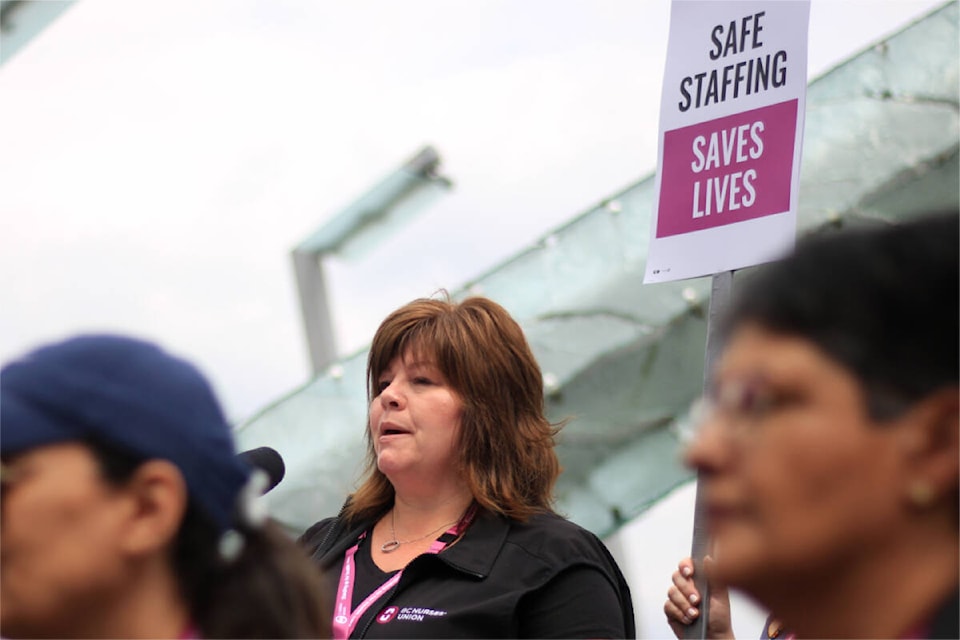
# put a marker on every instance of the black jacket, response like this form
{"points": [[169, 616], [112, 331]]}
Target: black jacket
{"points": [[480, 586], [946, 621]]}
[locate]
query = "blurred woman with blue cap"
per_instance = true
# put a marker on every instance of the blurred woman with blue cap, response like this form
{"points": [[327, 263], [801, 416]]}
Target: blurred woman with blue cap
{"points": [[126, 512]]}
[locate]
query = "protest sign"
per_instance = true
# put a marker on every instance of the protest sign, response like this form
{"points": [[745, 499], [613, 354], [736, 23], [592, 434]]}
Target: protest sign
{"points": [[731, 128]]}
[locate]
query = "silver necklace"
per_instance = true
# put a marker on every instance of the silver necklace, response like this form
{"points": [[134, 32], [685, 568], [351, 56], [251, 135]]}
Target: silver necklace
{"points": [[393, 544]]}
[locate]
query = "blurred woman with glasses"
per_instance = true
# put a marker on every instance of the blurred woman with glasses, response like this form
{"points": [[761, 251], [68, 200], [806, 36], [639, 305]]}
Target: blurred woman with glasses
{"points": [[828, 449]]}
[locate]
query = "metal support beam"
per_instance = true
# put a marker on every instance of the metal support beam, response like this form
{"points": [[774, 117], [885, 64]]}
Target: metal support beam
{"points": [[317, 320], [378, 212]]}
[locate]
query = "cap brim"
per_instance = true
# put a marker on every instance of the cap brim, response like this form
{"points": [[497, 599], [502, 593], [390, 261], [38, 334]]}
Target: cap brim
{"points": [[23, 427]]}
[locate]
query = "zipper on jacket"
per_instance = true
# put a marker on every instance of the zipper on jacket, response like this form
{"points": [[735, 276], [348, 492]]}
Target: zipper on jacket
{"points": [[333, 526]]}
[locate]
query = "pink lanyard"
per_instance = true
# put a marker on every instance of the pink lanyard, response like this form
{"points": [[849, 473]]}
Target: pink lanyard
{"points": [[345, 620]]}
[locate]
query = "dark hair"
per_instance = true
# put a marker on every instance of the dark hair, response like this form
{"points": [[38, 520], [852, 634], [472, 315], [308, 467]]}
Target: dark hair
{"points": [[881, 301], [506, 445], [271, 590]]}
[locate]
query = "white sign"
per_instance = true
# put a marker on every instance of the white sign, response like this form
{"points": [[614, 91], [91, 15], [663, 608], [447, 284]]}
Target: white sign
{"points": [[731, 130]]}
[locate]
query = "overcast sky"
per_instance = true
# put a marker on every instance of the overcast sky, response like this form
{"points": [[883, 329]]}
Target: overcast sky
{"points": [[160, 159]]}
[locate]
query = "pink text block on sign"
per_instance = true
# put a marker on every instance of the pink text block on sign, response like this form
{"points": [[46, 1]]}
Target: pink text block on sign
{"points": [[727, 170]]}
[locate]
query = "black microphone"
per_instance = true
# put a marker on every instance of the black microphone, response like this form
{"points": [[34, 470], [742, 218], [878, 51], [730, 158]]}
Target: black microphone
{"points": [[267, 460]]}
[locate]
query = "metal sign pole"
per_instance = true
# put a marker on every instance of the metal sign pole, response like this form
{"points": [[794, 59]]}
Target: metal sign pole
{"points": [[721, 289]]}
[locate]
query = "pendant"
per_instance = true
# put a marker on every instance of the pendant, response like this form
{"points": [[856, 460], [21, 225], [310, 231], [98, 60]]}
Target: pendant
{"points": [[392, 545]]}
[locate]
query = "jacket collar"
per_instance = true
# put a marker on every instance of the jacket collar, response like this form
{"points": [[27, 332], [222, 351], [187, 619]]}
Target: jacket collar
{"points": [[474, 553], [341, 538], [480, 545]]}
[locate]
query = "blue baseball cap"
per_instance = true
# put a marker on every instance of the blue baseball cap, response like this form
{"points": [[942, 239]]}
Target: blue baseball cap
{"points": [[131, 394]]}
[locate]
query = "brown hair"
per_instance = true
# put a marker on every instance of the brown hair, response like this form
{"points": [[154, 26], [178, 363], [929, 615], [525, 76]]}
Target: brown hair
{"points": [[507, 454]]}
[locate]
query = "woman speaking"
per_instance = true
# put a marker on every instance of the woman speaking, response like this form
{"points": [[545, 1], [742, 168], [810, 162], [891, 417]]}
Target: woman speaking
{"points": [[451, 532]]}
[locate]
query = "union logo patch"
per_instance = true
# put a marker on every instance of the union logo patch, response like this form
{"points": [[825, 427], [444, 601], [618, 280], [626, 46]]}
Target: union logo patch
{"points": [[387, 615]]}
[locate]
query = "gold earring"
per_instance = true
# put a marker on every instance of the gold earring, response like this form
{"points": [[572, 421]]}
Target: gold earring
{"points": [[921, 494]]}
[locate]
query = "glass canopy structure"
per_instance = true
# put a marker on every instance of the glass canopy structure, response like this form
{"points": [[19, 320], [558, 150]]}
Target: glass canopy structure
{"points": [[22, 20], [624, 360]]}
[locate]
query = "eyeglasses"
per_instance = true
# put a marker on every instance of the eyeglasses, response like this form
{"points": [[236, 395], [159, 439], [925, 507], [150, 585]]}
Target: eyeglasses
{"points": [[740, 404]]}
